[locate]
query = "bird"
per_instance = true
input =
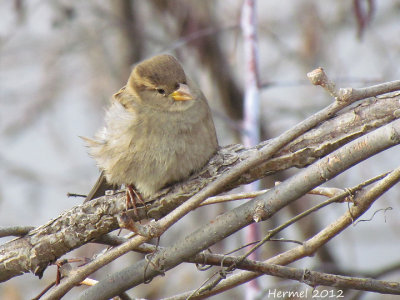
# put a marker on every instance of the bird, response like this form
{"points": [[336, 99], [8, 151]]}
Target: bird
{"points": [[158, 131]]}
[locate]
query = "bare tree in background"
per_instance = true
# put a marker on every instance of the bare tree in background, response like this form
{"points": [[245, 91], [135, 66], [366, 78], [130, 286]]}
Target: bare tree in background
{"points": [[354, 125]]}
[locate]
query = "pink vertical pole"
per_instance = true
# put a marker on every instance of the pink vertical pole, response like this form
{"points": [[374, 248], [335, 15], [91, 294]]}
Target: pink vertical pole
{"points": [[251, 121]]}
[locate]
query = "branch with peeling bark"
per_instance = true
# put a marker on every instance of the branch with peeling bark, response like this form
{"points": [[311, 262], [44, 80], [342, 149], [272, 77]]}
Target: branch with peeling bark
{"points": [[260, 208], [364, 130], [83, 223]]}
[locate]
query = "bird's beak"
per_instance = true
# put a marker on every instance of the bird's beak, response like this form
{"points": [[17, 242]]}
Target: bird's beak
{"points": [[182, 93]]}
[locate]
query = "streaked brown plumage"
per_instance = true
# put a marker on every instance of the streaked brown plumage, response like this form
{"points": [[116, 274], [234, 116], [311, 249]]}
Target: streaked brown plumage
{"points": [[158, 130]]}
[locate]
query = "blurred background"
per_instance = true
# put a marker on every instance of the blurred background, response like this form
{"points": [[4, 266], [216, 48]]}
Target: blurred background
{"points": [[60, 62]]}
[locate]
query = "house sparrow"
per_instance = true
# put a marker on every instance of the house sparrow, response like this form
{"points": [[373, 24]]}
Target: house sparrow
{"points": [[158, 131]]}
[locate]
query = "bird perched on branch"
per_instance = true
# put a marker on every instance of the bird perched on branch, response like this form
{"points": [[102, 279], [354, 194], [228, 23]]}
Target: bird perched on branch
{"points": [[158, 131]]}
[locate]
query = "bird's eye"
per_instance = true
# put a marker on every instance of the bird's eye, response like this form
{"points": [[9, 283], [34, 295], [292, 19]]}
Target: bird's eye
{"points": [[161, 91]]}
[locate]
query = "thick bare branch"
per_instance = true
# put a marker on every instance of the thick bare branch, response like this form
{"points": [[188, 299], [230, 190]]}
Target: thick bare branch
{"points": [[217, 185], [362, 202], [42, 246], [264, 206]]}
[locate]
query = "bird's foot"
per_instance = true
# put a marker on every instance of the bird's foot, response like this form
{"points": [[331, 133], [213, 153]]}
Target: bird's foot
{"points": [[132, 198]]}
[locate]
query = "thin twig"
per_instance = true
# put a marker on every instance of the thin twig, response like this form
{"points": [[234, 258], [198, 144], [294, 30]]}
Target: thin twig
{"points": [[311, 278], [370, 219], [322, 191], [15, 231], [232, 197]]}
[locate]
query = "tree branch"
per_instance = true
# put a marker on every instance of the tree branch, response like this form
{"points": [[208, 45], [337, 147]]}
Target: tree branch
{"points": [[362, 202], [261, 208], [15, 231], [83, 223], [232, 166], [309, 277]]}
